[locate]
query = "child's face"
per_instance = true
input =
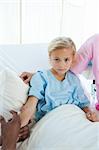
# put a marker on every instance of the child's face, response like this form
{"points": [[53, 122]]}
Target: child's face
{"points": [[61, 60]]}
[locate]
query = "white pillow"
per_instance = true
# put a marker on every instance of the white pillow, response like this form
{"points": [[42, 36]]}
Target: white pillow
{"points": [[13, 92]]}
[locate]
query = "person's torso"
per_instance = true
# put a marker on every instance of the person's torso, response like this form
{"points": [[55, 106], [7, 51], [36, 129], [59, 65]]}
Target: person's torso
{"points": [[56, 92]]}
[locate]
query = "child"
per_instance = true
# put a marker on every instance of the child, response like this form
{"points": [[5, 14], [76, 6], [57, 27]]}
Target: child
{"points": [[89, 51], [57, 86]]}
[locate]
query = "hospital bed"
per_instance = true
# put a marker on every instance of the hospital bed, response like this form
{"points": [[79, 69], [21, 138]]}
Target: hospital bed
{"points": [[66, 127]]}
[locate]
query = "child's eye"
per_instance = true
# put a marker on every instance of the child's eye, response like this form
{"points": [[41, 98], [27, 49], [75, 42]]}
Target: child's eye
{"points": [[56, 59], [66, 59]]}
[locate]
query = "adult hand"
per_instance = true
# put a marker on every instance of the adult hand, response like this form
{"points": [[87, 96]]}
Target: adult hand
{"points": [[24, 133], [26, 77], [10, 131]]}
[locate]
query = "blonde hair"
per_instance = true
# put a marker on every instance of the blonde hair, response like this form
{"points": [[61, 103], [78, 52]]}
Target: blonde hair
{"points": [[60, 43]]}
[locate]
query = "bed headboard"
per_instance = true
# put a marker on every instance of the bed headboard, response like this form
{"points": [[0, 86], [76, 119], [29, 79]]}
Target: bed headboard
{"points": [[26, 57]]}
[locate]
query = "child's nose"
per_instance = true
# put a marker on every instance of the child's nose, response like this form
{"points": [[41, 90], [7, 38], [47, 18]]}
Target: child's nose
{"points": [[62, 63]]}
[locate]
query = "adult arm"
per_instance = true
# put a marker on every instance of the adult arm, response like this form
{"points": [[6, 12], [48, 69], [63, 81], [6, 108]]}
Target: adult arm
{"points": [[10, 131]]}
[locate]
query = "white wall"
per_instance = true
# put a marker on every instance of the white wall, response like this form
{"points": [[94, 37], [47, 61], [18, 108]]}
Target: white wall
{"points": [[39, 21], [9, 21]]}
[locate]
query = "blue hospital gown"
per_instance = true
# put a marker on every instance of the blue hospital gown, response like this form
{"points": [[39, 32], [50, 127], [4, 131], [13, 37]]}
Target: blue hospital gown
{"points": [[52, 93]]}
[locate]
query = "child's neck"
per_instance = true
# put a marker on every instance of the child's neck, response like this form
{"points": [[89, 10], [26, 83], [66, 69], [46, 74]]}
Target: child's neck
{"points": [[58, 77]]}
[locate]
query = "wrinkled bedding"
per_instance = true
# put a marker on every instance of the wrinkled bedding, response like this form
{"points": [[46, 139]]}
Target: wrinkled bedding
{"points": [[64, 128]]}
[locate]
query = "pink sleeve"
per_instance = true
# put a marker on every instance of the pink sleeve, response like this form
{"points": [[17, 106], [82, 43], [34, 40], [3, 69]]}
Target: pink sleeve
{"points": [[84, 56]]}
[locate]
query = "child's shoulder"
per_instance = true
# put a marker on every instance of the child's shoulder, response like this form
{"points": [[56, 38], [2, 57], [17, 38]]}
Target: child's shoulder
{"points": [[73, 76], [41, 74], [72, 73]]}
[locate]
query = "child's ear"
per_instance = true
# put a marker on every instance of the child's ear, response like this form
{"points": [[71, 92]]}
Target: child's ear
{"points": [[75, 59]]}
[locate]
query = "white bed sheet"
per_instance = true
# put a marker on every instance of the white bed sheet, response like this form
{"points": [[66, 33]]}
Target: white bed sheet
{"points": [[65, 128]]}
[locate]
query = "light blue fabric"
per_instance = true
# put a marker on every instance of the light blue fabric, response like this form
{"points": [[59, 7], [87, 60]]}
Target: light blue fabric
{"points": [[52, 93]]}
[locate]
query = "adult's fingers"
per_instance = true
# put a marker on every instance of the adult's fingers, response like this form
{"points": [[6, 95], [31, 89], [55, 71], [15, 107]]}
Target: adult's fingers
{"points": [[2, 120], [20, 139], [14, 113], [24, 130], [23, 74], [25, 133], [15, 116], [27, 80]]}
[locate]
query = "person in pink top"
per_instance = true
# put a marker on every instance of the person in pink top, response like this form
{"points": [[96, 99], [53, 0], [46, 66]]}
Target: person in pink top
{"points": [[88, 52]]}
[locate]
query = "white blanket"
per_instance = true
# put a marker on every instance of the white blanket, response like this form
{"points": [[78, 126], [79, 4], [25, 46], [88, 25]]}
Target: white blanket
{"points": [[65, 128]]}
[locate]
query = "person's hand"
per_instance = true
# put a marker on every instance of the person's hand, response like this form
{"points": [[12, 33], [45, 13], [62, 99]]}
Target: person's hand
{"points": [[26, 76], [92, 116], [24, 133], [10, 131]]}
